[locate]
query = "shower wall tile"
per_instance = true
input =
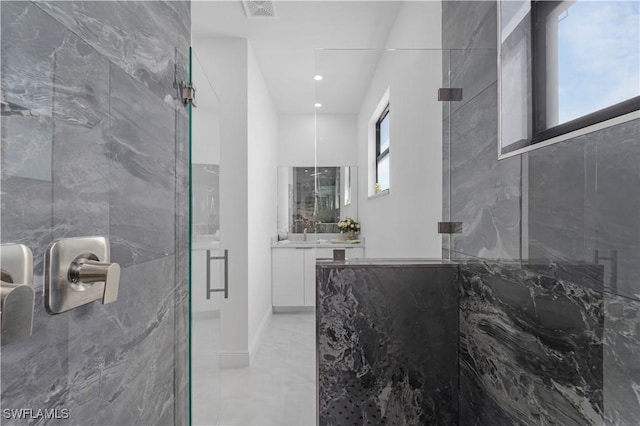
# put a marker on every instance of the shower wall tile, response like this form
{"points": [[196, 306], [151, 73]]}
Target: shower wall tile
{"points": [[485, 192], [557, 178], [182, 161], [621, 369], [134, 371], [80, 165], [387, 345], [139, 37], [142, 167], [35, 370], [89, 144], [27, 215], [612, 205], [469, 24], [29, 39], [531, 348], [181, 346], [473, 70]]}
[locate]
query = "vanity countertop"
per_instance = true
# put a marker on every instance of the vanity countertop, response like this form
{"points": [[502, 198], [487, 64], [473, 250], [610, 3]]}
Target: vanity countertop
{"points": [[320, 243]]}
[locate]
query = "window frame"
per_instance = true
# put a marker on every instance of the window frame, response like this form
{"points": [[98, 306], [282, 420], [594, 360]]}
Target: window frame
{"points": [[540, 10], [382, 155]]}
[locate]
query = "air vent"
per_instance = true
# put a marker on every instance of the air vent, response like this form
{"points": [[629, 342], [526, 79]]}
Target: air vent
{"points": [[259, 9]]}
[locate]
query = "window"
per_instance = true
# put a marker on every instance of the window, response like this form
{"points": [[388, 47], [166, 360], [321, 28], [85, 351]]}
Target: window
{"points": [[383, 142], [586, 62]]}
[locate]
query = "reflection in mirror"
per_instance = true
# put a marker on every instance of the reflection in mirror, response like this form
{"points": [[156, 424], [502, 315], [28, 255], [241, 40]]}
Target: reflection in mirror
{"points": [[315, 199], [205, 199]]}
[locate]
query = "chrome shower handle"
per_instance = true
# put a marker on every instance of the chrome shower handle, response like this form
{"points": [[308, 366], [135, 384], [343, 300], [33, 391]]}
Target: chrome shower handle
{"points": [[86, 270]]}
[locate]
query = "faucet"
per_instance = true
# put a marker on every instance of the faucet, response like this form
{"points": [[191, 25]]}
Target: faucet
{"points": [[304, 236]]}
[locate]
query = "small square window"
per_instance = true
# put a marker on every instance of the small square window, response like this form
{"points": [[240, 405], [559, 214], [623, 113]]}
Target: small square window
{"points": [[383, 143]]}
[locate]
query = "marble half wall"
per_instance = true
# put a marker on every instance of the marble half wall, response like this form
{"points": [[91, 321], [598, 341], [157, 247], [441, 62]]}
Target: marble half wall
{"points": [[531, 347], [95, 142], [387, 345]]}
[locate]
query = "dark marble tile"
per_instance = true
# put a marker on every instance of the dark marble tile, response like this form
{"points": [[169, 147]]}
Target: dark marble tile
{"points": [[134, 371], [485, 192], [530, 348], [621, 365], [142, 173], [387, 343], [80, 147], [139, 37]]}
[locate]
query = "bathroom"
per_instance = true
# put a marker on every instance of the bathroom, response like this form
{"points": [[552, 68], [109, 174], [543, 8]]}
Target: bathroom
{"points": [[100, 139]]}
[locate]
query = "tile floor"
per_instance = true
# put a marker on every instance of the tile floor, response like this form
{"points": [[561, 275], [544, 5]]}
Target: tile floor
{"points": [[277, 390]]}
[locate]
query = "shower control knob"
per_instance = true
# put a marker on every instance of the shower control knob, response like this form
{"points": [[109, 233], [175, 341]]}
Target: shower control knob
{"points": [[86, 270]]}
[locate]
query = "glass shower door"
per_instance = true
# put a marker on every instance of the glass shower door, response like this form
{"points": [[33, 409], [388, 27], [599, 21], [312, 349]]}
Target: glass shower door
{"points": [[207, 256]]}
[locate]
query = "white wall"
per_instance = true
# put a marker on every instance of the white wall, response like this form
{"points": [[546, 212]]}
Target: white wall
{"points": [[337, 136], [262, 193], [403, 223]]}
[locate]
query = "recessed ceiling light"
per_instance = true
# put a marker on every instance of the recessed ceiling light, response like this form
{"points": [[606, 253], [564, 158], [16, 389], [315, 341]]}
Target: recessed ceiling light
{"points": [[318, 105], [317, 77]]}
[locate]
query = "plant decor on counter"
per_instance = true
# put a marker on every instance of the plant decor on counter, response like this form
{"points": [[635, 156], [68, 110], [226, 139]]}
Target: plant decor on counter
{"points": [[349, 228]]}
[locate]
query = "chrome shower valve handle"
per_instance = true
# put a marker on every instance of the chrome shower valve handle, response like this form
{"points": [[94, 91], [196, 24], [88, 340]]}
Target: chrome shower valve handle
{"points": [[86, 270], [77, 272]]}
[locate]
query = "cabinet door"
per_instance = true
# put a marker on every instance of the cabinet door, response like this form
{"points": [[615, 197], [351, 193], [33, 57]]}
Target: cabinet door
{"points": [[310, 277], [288, 276]]}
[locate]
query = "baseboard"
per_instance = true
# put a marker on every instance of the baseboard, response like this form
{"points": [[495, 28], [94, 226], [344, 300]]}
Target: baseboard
{"points": [[229, 360], [257, 339], [292, 309]]}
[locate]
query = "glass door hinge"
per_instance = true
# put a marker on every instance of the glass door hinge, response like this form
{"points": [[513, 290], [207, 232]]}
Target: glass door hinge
{"points": [[449, 227], [188, 93], [449, 94]]}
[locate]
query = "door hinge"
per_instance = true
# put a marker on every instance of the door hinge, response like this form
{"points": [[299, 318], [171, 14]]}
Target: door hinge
{"points": [[450, 94], [449, 227], [188, 93]]}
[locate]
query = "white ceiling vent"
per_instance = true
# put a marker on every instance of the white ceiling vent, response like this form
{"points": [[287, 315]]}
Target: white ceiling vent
{"points": [[259, 9]]}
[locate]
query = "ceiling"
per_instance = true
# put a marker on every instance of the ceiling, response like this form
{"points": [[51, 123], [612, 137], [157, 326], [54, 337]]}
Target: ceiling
{"points": [[286, 47]]}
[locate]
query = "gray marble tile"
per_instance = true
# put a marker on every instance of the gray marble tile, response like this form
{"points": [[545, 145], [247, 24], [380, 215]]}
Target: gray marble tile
{"points": [[530, 348], [473, 70], [621, 366], [29, 39], [181, 346], [612, 205], [123, 352], [485, 192], [142, 167], [182, 161], [35, 369], [26, 215], [556, 202], [80, 147], [469, 24], [387, 345], [139, 37]]}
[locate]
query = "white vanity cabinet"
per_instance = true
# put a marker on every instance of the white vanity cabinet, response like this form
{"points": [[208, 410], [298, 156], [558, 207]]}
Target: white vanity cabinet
{"points": [[293, 273]]}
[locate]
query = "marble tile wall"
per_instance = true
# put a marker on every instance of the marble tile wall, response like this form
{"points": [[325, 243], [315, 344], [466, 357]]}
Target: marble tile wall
{"points": [[563, 206], [95, 142], [387, 345]]}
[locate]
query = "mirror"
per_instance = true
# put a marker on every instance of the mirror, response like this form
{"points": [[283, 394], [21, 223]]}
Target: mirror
{"points": [[316, 198]]}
